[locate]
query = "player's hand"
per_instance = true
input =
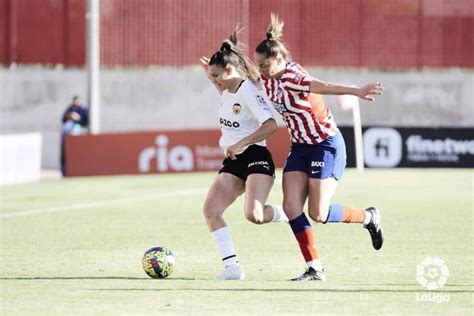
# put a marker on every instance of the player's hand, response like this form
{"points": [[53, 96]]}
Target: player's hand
{"points": [[367, 92], [231, 150], [205, 63], [73, 116]]}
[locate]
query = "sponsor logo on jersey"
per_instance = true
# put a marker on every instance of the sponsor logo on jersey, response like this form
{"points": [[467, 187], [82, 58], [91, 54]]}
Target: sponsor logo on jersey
{"points": [[236, 109], [228, 123], [279, 107], [317, 163], [262, 163], [261, 101]]}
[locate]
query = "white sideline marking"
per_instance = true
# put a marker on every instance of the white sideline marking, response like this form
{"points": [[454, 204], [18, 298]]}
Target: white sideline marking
{"points": [[101, 203]]}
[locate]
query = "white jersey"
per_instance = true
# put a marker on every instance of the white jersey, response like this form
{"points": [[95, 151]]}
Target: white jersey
{"points": [[241, 114]]}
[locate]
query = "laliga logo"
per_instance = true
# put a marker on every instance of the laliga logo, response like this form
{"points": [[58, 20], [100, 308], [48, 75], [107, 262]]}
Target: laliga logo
{"points": [[432, 273], [178, 158]]}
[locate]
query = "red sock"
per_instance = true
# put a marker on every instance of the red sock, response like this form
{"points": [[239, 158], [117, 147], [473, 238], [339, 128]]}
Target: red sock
{"points": [[306, 242], [304, 235], [353, 215]]}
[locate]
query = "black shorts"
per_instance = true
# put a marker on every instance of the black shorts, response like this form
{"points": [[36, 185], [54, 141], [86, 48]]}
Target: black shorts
{"points": [[255, 159]]}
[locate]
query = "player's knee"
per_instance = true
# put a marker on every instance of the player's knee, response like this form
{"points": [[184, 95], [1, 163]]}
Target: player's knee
{"points": [[209, 214], [291, 210], [318, 214], [254, 215], [317, 218]]}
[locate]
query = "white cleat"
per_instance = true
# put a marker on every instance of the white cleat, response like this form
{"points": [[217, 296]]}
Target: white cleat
{"points": [[232, 273]]}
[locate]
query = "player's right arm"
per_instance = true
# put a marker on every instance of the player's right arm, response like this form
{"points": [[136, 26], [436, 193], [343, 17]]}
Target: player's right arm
{"points": [[366, 92], [260, 109], [205, 64], [263, 132], [297, 79]]}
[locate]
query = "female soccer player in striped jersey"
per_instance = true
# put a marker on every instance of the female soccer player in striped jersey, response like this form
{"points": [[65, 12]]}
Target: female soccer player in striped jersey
{"points": [[246, 121], [317, 155]]}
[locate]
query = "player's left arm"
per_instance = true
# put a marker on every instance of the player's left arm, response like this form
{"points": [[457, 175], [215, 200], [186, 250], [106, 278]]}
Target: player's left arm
{"points": [[366, 92], [266, 129]]}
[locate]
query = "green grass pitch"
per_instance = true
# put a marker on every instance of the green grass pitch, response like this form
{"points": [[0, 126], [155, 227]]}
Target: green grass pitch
{"points": [[74, 246]]}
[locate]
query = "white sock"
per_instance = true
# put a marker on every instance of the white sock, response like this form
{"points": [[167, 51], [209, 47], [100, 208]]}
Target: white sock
{"points": [[225, 246], [368, 217], [315, 264], [278, 214]]}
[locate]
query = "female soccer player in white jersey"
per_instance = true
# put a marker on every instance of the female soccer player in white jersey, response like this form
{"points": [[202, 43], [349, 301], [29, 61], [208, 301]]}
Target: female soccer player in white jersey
{"points": [[317, 154], [246, 121]]}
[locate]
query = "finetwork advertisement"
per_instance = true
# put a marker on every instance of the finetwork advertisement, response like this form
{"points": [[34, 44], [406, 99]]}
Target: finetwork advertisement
{"points": [[386, 147]]}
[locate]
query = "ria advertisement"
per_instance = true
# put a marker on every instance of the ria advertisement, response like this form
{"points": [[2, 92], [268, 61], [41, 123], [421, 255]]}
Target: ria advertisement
{"points": [[198, 150], [154, 152]]}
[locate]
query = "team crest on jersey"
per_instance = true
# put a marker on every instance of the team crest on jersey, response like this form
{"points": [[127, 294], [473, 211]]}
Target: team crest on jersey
{"points": [[279, 93], [236, 109]]}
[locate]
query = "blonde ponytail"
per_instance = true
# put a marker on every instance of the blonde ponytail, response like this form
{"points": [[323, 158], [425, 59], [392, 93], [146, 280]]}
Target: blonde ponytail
{"points": [[273, 44]]}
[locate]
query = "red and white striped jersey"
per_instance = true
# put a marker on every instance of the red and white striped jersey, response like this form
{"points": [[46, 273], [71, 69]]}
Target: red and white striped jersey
{"points": [[308, 119]]}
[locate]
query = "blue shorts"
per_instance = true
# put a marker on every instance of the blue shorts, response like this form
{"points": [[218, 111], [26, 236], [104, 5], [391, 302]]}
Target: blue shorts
{"points": [[324, 160]]}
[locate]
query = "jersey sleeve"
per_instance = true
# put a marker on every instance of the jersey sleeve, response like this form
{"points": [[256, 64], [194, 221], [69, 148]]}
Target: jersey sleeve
{"points": [[256, 103], [298, 82]]}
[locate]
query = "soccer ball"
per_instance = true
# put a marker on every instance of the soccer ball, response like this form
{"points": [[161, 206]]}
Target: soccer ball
{"points": [[158, 262]]}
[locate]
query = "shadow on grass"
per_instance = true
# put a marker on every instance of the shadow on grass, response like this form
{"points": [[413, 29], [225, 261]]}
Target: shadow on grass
{"points": [[356, 287], [88, 278], [361, 290]]}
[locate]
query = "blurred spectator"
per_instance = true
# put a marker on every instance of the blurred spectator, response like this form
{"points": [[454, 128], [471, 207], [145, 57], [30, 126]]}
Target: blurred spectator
{"points": [[75, 121]]}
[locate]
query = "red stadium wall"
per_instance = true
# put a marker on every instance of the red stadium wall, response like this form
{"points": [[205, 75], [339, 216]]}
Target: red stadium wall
{"points": [[328, 33]]}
